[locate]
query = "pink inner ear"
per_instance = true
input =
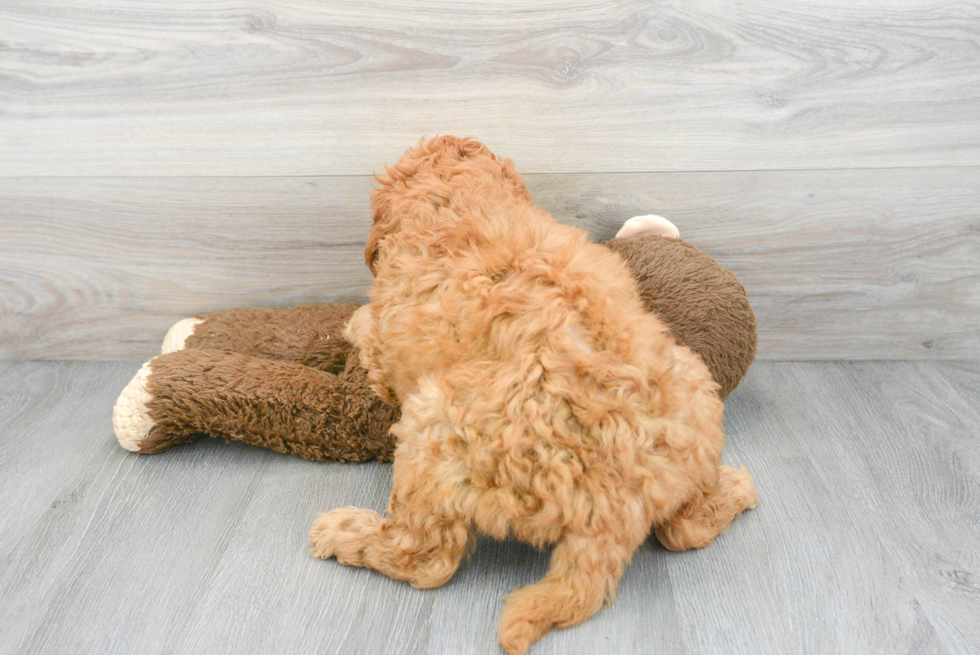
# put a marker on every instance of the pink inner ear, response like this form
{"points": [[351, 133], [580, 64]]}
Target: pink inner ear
{"points": [[649, 224]]}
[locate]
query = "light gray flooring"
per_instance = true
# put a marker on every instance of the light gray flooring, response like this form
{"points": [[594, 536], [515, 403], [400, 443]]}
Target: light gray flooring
{"points": [[867, 539]]}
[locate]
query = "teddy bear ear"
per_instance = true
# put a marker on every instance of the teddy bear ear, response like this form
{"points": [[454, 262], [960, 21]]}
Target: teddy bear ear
{"points": [[648, 224]]}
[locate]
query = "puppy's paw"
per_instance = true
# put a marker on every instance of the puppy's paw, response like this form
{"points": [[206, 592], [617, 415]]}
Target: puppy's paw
{"points": [[178, 334], [130, 417], [739, 486], [698, 523], [344, 533]]}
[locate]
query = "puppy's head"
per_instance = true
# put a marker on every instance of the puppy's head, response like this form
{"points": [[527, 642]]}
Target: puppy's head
{"points": [[428, 172]]}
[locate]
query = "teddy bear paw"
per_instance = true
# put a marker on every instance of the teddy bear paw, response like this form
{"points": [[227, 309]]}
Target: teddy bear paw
{"points": [[130, 417], [178, 333], [648, 224]]}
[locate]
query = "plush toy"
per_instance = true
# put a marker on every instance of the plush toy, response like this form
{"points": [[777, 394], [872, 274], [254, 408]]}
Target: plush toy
{"points": [[286, 379]]}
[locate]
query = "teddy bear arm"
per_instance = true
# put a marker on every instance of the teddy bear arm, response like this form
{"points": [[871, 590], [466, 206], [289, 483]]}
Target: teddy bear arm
{"points": [[283, 406], [308, 334]]}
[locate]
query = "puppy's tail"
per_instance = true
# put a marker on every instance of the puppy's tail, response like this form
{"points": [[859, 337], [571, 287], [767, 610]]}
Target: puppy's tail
{"points": [[584, 574]]}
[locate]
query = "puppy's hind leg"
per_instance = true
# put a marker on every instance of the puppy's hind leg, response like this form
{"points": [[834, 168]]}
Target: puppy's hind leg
{"points": [[422, 551], [584, 574], [698, 522], [422, 540]]}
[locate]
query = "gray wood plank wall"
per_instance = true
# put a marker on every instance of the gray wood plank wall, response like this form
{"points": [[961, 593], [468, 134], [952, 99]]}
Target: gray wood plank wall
{"points": [[160, 159]]}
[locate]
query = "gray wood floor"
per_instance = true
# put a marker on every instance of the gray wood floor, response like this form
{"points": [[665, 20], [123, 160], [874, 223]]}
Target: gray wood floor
{"points": [[867, 539]]}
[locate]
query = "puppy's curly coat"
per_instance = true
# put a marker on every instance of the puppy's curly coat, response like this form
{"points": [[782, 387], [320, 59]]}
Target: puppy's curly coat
{"points": [[539, 400]]}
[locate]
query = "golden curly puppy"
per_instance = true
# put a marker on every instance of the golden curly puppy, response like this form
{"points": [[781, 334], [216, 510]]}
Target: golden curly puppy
{"points": [[539, 400]]}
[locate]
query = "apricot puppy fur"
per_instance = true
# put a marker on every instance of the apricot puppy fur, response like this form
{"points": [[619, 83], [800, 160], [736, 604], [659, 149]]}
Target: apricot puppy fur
{"points": [[539, 400]]}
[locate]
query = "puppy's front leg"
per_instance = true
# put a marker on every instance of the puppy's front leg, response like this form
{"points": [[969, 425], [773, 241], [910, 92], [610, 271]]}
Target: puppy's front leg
{"points": [[421, 540], [357, 330], [362, 332]]}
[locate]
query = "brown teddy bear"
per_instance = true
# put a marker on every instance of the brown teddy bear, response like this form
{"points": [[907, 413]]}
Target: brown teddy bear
{"points": [[286, 379]]}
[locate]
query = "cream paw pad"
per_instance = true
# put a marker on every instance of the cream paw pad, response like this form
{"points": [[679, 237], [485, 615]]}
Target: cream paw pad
{"points": [[648, 224]]}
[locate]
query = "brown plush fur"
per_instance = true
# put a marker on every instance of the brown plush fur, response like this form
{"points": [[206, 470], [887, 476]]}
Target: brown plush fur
{"points": [[539, 400], [311, 335], [702, 304], [288, 407]]}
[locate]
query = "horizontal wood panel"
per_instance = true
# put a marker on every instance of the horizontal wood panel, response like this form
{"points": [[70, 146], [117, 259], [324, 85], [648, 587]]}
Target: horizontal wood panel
{"points": [[867, 264], [308, 88], [837, 264]]}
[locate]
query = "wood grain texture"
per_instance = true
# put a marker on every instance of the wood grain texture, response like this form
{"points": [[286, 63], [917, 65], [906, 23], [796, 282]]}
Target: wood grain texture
{"points": [[103, 267], [829, 484], [839, 265], [36, 458], [866, 538], [864, 264], [309, 88]]}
